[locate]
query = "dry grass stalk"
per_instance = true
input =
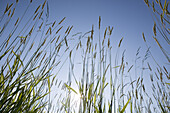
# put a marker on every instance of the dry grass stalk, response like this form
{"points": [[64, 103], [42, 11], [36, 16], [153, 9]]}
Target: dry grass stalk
{"points": [[10, 6], [6, 9], [67, 29], [99, 21], [165, 69], [35, 16], [120, 42], [53, 39], [12, 12], [9, 12], [41, 14], [105, 33], [153, 6], [31, 46], [53, 23], [154, 28], [57, 39], [8, 40], [110, 31], [160, 4], [157, 42], [16, 22], [149, 67], [48, 30], [143, 37], [62, 20], [43, 57], [31, 30], [151, 77], [37, 9], [156, 1], [44, 41], [147, 3], [70, 30], [130, 68], [44, 4], [59, 29], [66, 41], [40, 26], [92, 32], [108, 44]]}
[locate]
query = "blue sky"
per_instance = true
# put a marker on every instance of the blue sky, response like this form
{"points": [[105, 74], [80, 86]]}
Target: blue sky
{"points": [[129, 18]]}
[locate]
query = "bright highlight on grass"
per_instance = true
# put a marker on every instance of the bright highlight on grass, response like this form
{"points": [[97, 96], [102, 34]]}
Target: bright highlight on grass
{"points": [[76, 97]]}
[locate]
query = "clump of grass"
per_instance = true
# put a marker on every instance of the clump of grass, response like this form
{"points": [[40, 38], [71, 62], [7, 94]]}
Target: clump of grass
{"points": [[96, 63], [26, 67], [159, 77], [28, 75]]}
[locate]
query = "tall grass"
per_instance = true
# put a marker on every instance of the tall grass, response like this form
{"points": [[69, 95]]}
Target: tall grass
{"points": [[29, 70], [26, 66]]}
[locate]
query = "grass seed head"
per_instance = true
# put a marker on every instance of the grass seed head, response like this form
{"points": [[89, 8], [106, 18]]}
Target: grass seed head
{"points": [[40, 26], [147, 2], [92, 32], [16, 22], [44, 42], [105, 33], [47, 31], [111, 30], [154, 28], [37, 9], [165, 69], [108, 44], [151, 77], [12, 12], [44, 4], [143, 37], [99, 21], [149, 67], [61, 20], [53, 23], [120, 42], [41, 14], [10, 6], [31, 46], [160, 4], [57, 39], [6, 9], [31, 30], [9, 12], [153, 6], [35, 16], [67, 29], [59, 29], [70, 30]]}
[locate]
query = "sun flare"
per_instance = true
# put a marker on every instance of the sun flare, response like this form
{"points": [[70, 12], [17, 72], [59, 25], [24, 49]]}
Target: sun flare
{"points": [[76, 97]]}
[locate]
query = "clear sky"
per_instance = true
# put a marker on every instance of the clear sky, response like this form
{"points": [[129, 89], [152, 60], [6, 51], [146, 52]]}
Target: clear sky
{"points": [[129, 19]]}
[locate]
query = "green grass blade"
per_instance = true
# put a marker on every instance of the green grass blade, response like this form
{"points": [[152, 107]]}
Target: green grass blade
{"points": [[124, 107], [69, 88]]}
